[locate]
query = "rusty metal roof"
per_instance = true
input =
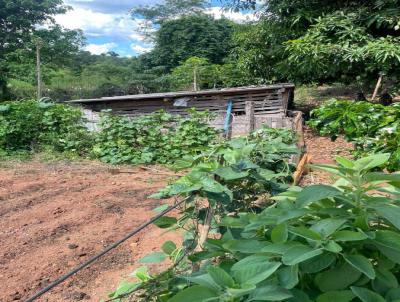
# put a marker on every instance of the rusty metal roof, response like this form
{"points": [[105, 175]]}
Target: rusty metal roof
{"points": [[180, 94]]}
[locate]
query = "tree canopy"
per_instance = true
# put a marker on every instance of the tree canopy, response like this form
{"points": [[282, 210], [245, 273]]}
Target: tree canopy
{"points": [[321, 40], [305, 41], [192, 36]]}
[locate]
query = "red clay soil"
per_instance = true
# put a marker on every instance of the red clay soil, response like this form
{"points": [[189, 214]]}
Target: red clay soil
{"points": [[55, 216], [323, 151]]}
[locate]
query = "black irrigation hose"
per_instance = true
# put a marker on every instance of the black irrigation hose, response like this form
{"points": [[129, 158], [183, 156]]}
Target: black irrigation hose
{"points": [[102, 253]]}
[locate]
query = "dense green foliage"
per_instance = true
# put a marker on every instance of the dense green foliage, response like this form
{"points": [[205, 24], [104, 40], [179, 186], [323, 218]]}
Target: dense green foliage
{"points": [[372, 127], [234, 176], [18, 20], [322, 41], [33, 126], [192, 36], [320, 243], [301, 41], [156, 138]]}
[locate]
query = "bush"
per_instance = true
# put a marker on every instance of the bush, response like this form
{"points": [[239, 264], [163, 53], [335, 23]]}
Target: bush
{"points": [[33, 125], [155, 138], [372, 127]]}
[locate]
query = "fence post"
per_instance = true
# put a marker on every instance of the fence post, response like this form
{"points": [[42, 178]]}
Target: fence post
{"points": [[249, 108]]}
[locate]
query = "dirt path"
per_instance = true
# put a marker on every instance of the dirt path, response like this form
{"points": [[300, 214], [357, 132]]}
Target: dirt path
{"points": [[323, 151], [55, 216]]}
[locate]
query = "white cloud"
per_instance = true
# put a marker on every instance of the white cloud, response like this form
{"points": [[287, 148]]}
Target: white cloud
{"points": [[117, 28], [96, 24], [141, 49], [238, 17], [98, 49]]}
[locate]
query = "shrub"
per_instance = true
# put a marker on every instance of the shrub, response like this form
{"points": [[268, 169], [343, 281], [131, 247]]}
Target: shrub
{"points": [[372, 128], [155, 138], [31, 125]]}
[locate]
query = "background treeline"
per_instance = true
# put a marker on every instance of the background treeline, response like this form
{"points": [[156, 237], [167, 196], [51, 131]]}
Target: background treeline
{"points": [[317, 41]]}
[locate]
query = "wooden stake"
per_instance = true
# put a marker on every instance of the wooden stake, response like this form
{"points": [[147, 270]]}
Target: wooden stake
{"points": [[301, 168], [378, 85]]}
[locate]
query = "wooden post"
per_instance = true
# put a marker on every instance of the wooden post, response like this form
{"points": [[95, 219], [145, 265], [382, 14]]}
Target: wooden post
{"points": [[195, 88], [39, 73], [378, 85], [249, 109]]}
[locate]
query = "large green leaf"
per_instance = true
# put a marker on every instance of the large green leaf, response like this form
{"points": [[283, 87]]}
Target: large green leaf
{"points": [[348, 236], [204, 280], [168, 247], [228, 173], [366, 295], [288, 277], [221, 277], [318, 263], [245, 246], [389, 212], [362, 264], [315, 193], [371, 161], [344, 162], [255, 273], [279, 233], [211, 185], [338, 278], [154, 258], [195, 293], [165, 222], [239, 292], [333, 247], [305, 233], [125, 288], [328, 226], [336, 296], [269, 293], [299, 296], [388, 243], [386, 278], [280, 248], [393, 295], [298, 254], [250, 260]]}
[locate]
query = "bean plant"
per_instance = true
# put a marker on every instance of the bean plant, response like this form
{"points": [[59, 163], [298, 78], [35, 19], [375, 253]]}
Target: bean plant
{"points": [[320, 243], [155, 138], [372, 128]]}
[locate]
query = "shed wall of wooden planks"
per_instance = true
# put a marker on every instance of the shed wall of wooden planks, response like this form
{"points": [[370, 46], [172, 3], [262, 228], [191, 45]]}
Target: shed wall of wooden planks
{"points": [[252, 106]]}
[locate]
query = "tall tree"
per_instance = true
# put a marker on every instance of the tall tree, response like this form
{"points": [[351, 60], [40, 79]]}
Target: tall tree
{"points": [[321, 40], [18, 19], [196, 35], [154, 15]]}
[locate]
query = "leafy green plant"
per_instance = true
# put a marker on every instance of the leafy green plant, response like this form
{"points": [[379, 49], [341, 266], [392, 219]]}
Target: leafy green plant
{"points": [[34, 125], [155, 138], [372, 127], [320, 243], [229, 178]]}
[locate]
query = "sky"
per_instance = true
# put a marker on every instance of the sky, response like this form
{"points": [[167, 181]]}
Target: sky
{"points": [[108, 26]]}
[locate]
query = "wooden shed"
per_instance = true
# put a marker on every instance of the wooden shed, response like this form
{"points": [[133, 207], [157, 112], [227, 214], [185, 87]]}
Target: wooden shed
{"points": [[251, 107]]}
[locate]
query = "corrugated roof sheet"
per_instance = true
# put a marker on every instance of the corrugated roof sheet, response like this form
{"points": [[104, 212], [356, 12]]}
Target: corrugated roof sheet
{"points": [[179, 94]]}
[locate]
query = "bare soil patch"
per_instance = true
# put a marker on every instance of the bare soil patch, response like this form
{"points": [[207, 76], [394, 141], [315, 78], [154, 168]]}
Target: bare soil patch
{"points": [[55, 216], [323, 151]]}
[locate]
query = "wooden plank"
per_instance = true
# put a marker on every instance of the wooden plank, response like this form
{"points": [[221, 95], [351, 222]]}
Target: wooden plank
{"points": [[301, 168]]}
